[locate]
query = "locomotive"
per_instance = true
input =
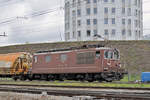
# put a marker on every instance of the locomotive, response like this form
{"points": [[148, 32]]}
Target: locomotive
{"points": [[86, 63]]}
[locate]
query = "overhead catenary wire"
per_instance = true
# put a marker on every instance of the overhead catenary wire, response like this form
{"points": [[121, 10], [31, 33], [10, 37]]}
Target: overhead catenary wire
{"points": [[9, 2], [39, 14], [31, 15], [48, 11]]}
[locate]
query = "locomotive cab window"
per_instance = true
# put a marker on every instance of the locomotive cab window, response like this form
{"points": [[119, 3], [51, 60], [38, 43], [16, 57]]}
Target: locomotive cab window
{"points": [[63, 57], [35, 59], [116, 54], [108, 54], [97, 54], [47, 59]]}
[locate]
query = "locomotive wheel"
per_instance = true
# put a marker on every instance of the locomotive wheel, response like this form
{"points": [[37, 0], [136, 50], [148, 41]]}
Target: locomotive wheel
{"points": [[100, 81], [108, 80], [90, 80], [30, 79], [61, 78], [14, 78], [50, 78], [23, 78]]}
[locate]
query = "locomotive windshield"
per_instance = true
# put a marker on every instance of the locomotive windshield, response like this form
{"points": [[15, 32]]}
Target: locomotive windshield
{"points": [[116, 54], [108, 54], [111, 54]]}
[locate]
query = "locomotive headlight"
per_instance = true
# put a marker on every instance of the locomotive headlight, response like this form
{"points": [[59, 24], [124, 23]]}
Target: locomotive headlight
{"points": [[120, 65], [108, 64], [106, 69]]}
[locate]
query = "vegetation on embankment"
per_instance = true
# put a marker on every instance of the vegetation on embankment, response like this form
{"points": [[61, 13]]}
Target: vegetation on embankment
{"points": [[85, 84]]}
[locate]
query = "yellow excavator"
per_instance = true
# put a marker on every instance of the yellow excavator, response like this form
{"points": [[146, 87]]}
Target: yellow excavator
{"points": [[15, 65]]}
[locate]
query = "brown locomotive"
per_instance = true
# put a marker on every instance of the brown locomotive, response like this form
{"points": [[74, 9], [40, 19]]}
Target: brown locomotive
{"points": [[90, 64]]}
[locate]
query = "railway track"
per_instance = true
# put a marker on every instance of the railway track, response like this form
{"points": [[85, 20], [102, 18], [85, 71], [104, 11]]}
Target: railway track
{"points": [[98, 92]]}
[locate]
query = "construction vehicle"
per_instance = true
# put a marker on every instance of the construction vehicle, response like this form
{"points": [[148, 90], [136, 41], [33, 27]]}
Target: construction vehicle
{"points": [[15, 64]]}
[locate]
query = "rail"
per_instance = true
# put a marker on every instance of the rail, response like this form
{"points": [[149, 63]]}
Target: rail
{"points": [[98, 92]]}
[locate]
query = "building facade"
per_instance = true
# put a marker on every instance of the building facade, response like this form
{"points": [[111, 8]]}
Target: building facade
{"points": [[111, 19]]}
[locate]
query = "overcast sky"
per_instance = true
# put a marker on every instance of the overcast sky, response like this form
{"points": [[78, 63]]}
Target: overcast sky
{"points": [[34, 21]]}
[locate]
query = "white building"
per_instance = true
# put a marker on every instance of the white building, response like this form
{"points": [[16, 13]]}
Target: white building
{"points": [[112, 19]]}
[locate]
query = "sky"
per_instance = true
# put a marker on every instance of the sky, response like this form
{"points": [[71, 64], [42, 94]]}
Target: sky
{"points": [[36, 21]]}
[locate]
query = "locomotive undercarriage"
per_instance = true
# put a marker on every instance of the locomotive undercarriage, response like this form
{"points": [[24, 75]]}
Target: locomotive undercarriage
{"points": [[90, 77]]}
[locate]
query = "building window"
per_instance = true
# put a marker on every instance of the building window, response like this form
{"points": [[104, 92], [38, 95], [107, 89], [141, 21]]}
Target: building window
{"points": [[129, 11], [73, 1], [95, 31], [105, 0], [139, 34], [105, 20], [136, 33], [79, 12], [113, 32], [113, 10], [123, 32], [67, 37], [113, 21], [123, 21], [95, 21], [79, 22], [47, 59], [94, 1], [73, 35], [88, 33], [123, 10], [79, 33], [88, 22], [112, 1], [88, 11], [129, 33], [106, 10], [63, 57], [123, 1], [73, 13], [136, 23], [135, 2], [79, 2], [129, 21], [139, 3], [87, 1], [136, 12], [95, 10], [106, 31]]}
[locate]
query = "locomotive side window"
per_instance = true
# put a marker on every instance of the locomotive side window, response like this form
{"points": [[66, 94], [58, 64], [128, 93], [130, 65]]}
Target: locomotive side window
{"points": [[47, 59], [35, 59], [63, 57], [97, 54]]}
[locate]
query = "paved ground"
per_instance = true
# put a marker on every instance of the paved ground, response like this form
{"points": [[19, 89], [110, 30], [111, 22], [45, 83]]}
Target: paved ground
{"points": [[20, 96]]}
